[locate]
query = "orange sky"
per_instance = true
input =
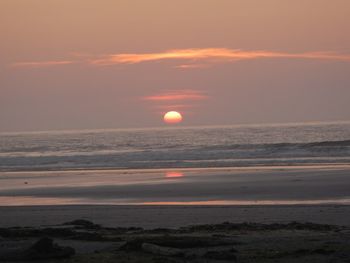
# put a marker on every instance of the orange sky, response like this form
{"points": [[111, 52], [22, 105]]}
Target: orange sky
{"points": [[116, 64]]}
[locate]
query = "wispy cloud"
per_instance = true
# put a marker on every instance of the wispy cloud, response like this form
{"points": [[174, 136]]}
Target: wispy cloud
{"points": [[191, 66], [188, 58], [178, 95], [179, 100], [175, 106], [212, 55], [42, 64]]}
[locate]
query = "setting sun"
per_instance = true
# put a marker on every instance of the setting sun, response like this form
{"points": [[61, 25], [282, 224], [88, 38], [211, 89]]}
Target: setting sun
{"points": [[172, 117]]}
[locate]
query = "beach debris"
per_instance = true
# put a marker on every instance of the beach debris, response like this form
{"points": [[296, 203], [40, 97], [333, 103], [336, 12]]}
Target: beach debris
{"points": [[14, 232], [212, 243], [322, 251], [301, 252], [228, 253], [247, 226], [43, 249], [188, 247], [180, 242], [162, 251], [82, 223], [218, 253], [66, 232]]}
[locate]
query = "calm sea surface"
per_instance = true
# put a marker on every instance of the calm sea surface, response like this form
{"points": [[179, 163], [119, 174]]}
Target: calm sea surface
{"points": [[225, 146]]}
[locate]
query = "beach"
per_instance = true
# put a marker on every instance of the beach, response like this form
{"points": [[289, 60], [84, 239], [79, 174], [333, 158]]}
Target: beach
{"points": [[252, 214], [269, 185], [153, 198]]}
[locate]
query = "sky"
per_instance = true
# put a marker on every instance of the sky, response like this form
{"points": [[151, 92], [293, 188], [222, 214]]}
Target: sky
{"points": [[83, 64]]}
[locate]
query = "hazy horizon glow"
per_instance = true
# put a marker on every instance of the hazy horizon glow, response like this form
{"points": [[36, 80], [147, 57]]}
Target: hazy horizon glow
{"points": [[123, 64]]}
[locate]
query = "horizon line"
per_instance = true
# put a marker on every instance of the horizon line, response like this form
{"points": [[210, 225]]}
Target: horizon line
{"points": [[176, 126]]}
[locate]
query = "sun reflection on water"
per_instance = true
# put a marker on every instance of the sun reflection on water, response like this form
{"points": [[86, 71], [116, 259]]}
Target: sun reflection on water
{"points": [[174, 174]]}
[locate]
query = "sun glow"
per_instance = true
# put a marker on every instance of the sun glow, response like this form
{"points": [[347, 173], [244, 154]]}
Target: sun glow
{"points": [[172, 117]]}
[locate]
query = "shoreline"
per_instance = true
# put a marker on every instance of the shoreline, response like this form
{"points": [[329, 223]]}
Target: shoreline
{"points": [[214, 168], [40, 202]]}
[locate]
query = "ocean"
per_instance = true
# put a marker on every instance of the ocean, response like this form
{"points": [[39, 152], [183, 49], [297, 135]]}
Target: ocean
{"points": [[179, 147]]}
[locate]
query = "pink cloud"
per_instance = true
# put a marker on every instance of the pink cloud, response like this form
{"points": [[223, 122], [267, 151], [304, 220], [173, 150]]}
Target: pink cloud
{"points": [[41, 64], [212, 55], [180, 95], [189, 58]]}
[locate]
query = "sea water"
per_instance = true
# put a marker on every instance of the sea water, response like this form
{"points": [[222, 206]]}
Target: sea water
{"points": [[177, 147]]}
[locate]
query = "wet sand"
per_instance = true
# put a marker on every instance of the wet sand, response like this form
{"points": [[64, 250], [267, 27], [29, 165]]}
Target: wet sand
{"points": [[284, 185], [172, 198]]}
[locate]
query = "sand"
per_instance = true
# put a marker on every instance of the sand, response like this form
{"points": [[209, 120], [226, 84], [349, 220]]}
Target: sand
{"points": [[173, 216], [175, 198], [227, 186], [164, 202]]}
